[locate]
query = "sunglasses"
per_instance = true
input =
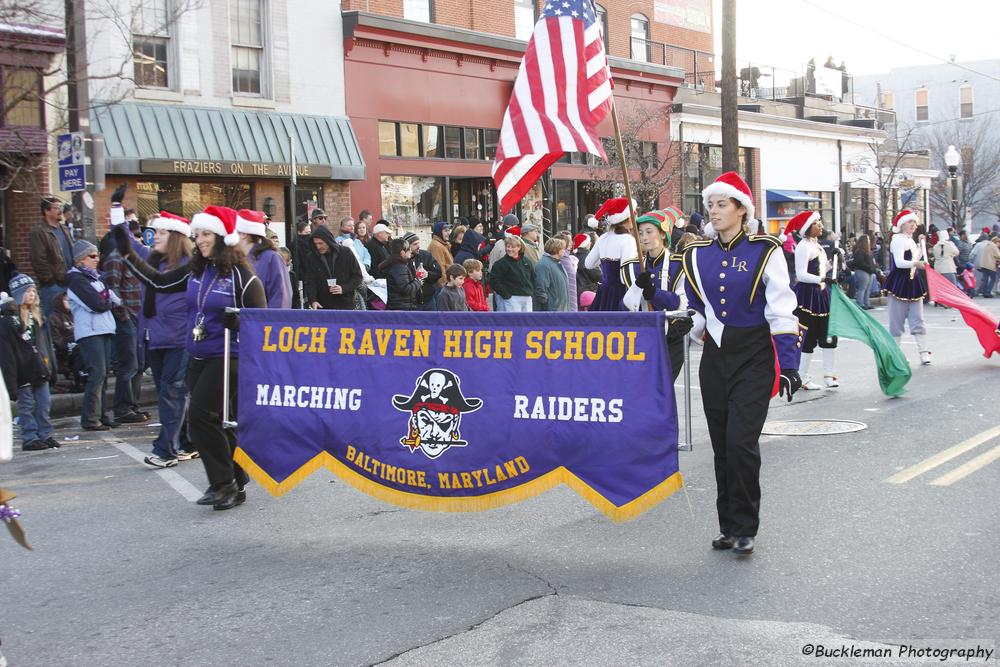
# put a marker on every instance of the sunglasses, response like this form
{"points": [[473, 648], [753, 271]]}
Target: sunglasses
{"points": [[320, 217], [93, 256]]}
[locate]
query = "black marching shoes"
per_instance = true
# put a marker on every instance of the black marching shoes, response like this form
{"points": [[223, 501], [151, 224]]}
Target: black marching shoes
{"points": [[229, 496], [743, 546], [723, 541]]}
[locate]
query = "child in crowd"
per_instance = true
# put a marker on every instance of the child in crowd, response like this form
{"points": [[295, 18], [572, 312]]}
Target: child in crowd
{"points": [[475, 296], [25, 346], [969, 280], [68, 361], [452, 297]]}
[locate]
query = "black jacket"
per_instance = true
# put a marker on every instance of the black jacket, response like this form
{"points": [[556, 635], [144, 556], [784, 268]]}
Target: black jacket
{"points": [[587, 280], [339, 263], [24, 360], [434, 273], [472, 246], [379, 253], [401, 283]]}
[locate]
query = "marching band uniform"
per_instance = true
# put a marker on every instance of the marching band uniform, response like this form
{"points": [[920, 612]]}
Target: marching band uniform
{"points": [[616, 253], [813, 294], [661, 286], [906, 287], [741, 295]]}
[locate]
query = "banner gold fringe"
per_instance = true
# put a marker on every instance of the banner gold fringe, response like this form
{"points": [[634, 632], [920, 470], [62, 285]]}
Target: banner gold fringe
{"points": [[487, 501]]}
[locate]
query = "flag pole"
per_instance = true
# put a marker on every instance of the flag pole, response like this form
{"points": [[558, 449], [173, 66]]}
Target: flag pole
{"points": [[628, 188]]}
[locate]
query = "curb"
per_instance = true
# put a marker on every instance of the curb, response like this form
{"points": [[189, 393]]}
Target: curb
{"points": [[69, 405]]}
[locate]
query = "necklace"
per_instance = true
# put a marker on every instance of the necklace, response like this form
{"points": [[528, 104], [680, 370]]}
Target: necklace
{"points": [[198, 332]]}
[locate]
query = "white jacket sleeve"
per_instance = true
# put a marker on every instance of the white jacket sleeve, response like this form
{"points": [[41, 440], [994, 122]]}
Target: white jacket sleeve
{"points": [[594, 256], [898, 246], [802, 264], [779, 309]]}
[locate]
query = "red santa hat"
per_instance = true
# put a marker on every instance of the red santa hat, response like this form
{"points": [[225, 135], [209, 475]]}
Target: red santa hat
{"points": [[172, 223], [581, 241], [799, 223], [251, 222], [729, 184], [615, 210], [220, 220], [906, 215], [513, 231]]}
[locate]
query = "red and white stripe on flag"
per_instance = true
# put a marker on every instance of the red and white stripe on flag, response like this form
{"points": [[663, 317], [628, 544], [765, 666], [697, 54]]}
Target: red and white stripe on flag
{"points": [[561, 94]]}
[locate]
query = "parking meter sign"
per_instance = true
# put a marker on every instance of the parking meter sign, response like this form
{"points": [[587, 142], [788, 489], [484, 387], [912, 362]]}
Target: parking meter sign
{"points": [[72, 178]]}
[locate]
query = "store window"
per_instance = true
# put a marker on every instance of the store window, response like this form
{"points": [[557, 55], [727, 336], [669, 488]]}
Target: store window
{"points": [[246, 33], [413, 202], [453, 143], [565, 205], [409, 140], [702, 165], [151, 44], [387, 146], [824, 206], [186, 199], [21, 96], [922, 100], [471, 143], [418, 10], [965, 101], [524, 19], [432, 141], [490, 140]]}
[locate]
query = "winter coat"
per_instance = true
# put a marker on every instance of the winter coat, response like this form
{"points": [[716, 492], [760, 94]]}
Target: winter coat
{"points": [[587, 280], [510, 277], [944, 254], [163, 317], [401, 283], [452, 298], [379, 253], [550, 286], [24, 357], [989, 257], [7, 270], [862, 261], [61, 325], [91, 302], [442, 255], [47, 258], [569, 265], [475, 296], [472, 244], [339, 263], [434, 274], [363, 255]]}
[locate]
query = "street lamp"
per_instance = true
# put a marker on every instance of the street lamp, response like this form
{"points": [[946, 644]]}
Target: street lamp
{"points": [[952, 159]]}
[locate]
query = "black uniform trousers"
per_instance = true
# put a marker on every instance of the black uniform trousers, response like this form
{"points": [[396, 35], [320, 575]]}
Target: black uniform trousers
{"points": [[736, 385], [675, 350], [214, 443]]}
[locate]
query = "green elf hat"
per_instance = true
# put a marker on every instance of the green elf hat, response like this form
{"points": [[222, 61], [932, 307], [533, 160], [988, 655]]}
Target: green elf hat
{"points": [[659, 219]]}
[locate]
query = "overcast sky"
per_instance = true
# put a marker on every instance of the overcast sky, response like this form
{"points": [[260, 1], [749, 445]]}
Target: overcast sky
{"points": [[786, 33]]}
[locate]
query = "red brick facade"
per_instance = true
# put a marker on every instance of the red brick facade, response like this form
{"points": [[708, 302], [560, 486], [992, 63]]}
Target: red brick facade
{"points": [[21, 211]]}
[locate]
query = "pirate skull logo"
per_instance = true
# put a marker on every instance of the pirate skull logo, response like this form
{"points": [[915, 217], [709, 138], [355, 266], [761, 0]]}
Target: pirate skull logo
{"points": [[436, 407]]}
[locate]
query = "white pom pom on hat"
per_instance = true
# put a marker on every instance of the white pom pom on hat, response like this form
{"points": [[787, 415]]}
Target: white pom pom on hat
{"points": [[220, 220]]}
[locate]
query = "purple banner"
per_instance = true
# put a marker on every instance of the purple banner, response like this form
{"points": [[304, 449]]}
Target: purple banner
{"points": [[461, 411]]}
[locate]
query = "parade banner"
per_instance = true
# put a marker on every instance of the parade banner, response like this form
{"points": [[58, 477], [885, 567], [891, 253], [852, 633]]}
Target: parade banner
{"points": [[460, 411], [847, 320]]}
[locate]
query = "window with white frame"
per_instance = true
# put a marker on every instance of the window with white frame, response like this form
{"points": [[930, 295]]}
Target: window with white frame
{"points": [[151, 43], [524, 19], [417, 10], [246, 36], [965, 101], [640, 38], [922, 100]]}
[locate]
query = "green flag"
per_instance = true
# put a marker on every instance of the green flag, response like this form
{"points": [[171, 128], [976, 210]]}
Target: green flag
{"points": [[847, 320]]}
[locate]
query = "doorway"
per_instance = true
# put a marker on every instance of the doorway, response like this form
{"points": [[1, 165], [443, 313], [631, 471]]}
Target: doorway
{"points": [[473, 197]]}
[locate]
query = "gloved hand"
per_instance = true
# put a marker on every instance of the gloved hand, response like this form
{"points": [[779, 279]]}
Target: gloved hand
{"points": [[681, 326], [120, 237], [644, 279], [789, 383], [118, 196], [231, 321]]}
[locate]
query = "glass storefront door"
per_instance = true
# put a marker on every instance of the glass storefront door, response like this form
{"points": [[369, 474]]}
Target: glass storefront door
{"points": [[473, 197]]}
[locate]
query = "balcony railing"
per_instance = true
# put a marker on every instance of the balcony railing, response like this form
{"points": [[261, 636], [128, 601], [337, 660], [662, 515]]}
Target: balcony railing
{"points": [[698, 66]]}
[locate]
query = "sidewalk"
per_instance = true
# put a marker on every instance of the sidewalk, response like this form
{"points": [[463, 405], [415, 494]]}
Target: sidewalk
{"points": [[68, 405]]}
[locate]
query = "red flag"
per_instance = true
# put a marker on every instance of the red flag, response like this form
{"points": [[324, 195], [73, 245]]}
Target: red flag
{"points": [[561, 94], [982, 322]]}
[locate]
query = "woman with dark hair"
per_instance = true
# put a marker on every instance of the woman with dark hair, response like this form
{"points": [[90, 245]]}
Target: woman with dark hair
{"points": [[863, 265], [616, 254], [264, 258], [401, 279], [162, 322], [218, 277]]}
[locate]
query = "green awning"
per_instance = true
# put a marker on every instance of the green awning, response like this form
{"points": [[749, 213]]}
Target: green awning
{"points": [[144, 138]]}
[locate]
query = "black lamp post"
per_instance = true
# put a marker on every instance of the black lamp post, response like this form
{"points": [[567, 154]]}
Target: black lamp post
{"points": [[952, 160]]}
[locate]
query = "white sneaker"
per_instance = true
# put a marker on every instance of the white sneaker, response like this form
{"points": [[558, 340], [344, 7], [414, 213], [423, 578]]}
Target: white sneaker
{"points": [[183, 455], [830, 381], [809, 385], [925, 358], [156, 462]]}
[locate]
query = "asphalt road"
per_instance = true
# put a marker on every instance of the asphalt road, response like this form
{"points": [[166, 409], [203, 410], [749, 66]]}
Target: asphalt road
{"points": [[128, 571]]}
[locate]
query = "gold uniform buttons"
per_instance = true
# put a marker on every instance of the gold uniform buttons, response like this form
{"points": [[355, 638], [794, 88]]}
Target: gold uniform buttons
{"points": [[722, 302], [722, 275], [724, 313], [722, 288], [725, 263]]}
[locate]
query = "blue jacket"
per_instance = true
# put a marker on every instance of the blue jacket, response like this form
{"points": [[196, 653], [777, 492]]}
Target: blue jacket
{"points": [[90, 301]]}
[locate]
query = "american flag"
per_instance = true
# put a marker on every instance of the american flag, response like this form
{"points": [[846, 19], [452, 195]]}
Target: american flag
{"points": [[562, 93]]}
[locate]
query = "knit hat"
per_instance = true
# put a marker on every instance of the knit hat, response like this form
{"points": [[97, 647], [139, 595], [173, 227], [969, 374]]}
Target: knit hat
{"points": [[510, 220], [439, 227], [906, 215], [172, 223], [409, 238], [581, 241], [658, 219], [83, 248], [799, 223], [675, 216], [587, 298], [19, 286], [615, 210], [218, 219], [729, 184], [251, 222]]}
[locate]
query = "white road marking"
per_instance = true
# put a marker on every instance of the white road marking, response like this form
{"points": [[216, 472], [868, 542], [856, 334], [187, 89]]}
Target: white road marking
{"points": [[176, 482], [98, 458], [968, 468], [934, 461]]}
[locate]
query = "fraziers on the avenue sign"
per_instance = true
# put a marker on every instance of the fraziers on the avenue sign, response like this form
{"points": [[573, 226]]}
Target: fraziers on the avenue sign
{"points": [[436, 407]]}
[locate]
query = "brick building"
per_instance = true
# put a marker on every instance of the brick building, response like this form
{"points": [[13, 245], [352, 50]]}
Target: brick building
{"points": [[25, 52]]}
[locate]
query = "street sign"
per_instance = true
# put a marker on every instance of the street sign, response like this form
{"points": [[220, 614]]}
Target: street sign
{"points": [[72, 173]]}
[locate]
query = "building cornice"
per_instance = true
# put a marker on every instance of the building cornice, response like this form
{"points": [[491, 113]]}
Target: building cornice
{"points": [[749, 120]]}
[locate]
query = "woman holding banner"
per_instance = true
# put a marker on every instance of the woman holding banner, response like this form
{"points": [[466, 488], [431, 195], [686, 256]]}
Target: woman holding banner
{"points": [[905, 284], [218, 277], [744, 313]]}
